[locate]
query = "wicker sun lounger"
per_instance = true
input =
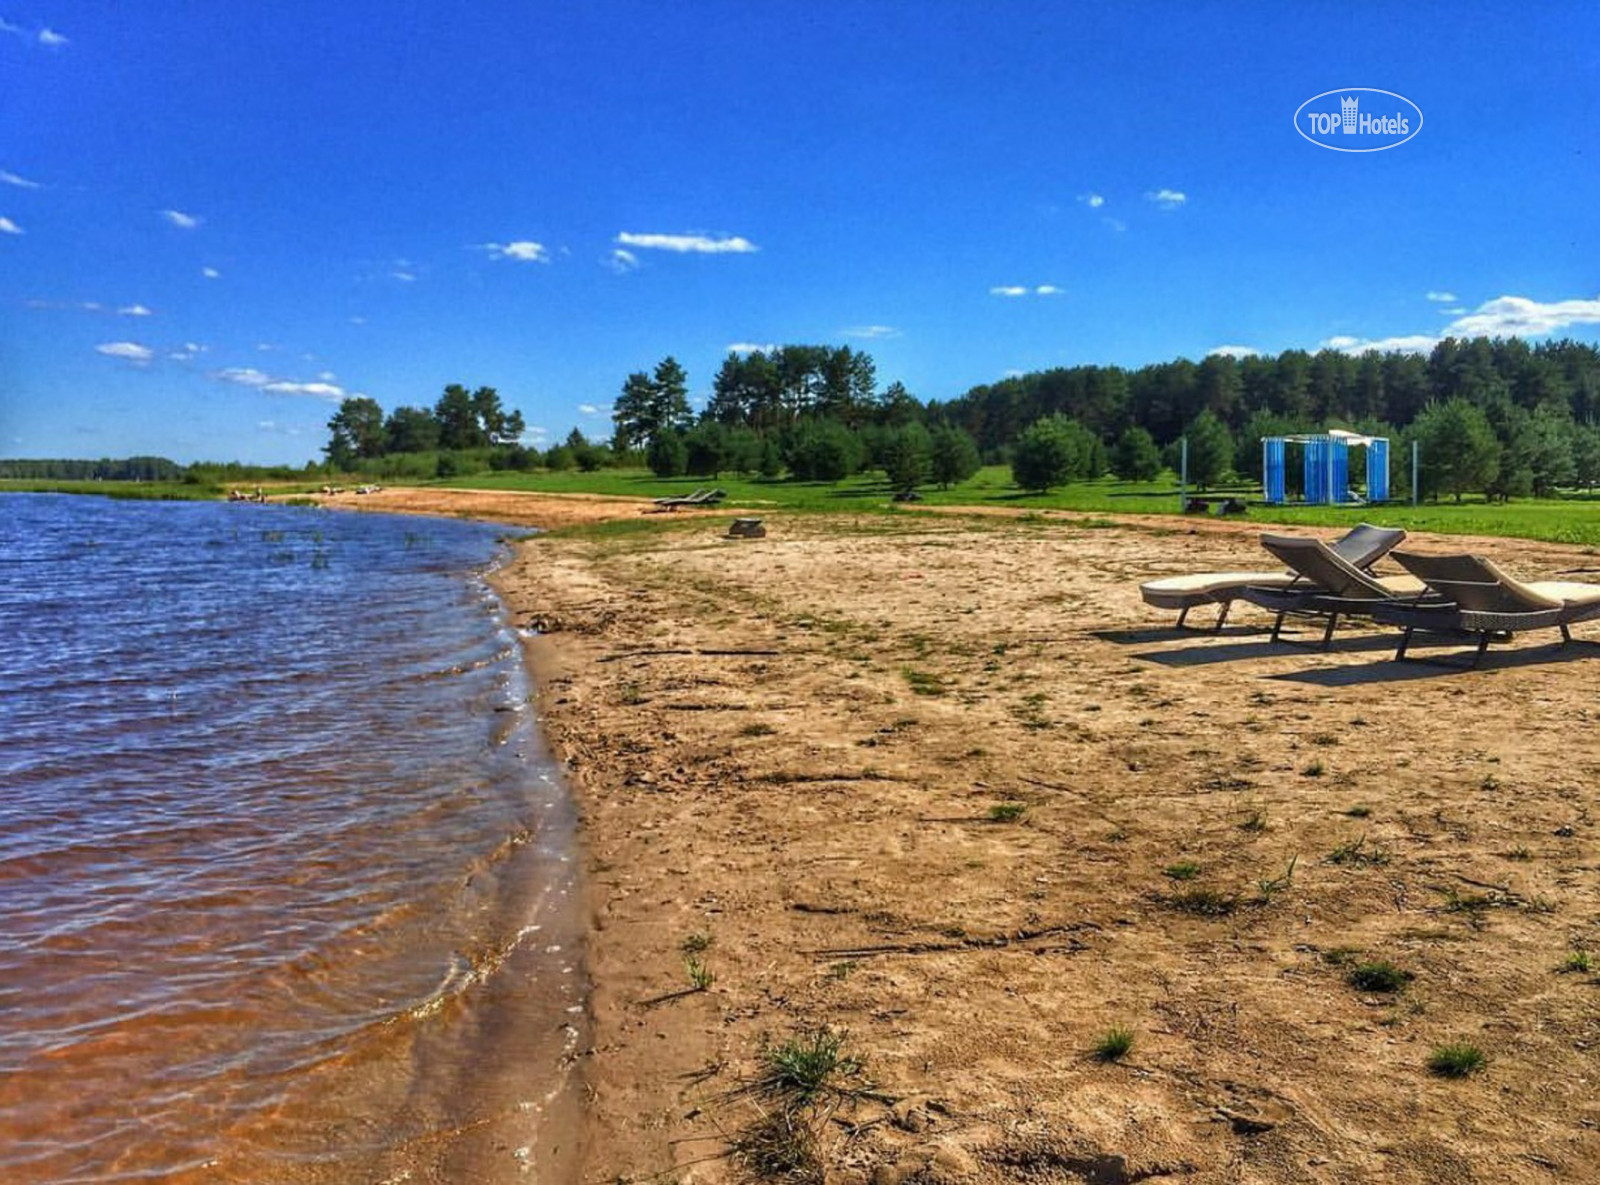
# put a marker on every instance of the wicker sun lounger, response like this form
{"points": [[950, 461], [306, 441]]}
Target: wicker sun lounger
{"points": [[1362, 546], [1331, 586], [700, 497], [1483, 602]]}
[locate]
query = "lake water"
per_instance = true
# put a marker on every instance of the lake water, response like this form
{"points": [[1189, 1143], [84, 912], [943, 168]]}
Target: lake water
{"points": [[285, 873]]}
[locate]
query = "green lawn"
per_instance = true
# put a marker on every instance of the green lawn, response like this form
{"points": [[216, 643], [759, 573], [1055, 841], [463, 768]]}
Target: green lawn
{"points": [[1573, 520], [991, 487], [160, 491]]}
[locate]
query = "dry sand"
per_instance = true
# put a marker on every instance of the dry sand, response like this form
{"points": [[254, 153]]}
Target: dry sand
{"points": [[791, 747]]}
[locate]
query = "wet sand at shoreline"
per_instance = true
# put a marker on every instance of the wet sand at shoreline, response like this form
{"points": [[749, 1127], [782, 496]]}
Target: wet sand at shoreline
{"points": [[789, 751]]}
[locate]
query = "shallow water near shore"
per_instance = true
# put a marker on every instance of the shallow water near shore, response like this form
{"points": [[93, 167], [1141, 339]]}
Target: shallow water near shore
{"points": [[285, 873]]}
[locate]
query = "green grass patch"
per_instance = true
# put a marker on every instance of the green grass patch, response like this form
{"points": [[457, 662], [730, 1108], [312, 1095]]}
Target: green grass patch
{"points": [[1184, 870], [807, 1066], [924, 682], [1113, 1045], [1007, 812], [1378, 976], [1456, 1060], [1356, 854], [1204, 903], [1577, 962]]}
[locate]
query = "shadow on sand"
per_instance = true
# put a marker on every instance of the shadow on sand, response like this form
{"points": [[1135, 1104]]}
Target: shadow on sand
{"points": [[1456, 662]]}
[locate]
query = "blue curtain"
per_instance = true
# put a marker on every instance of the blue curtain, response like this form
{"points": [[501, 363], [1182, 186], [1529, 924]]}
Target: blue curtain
{"points": [[1378, 471], [1316, 471], [1272, 469], [1340, 472]]}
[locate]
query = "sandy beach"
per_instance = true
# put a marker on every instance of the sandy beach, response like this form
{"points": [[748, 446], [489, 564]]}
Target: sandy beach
{"points": [[934, 783]]}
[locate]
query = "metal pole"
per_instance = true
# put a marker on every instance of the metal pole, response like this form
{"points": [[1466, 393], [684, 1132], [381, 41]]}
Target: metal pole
{"points": [[1183, 475], [1416, 449]]}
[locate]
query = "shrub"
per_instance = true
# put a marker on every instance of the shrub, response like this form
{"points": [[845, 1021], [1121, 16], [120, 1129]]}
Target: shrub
{"points": [[667, 455], [1135, 456], [1046, 454], [907, 457], [954, 456], [823, 450], [708, 449]]}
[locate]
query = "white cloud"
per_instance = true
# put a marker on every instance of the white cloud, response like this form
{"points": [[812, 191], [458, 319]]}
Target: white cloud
{"points": [[1048, 290], [329, 391], [1233, 351], [249, 376], [1415, 343], [871, 332], [20, 182], [245, 376], [135, 310], [1167, 199], [210, 273], [1443, 297], [131, 351], [588, 409], [328, 376], [1009, 290], [1504, 316], [8, 227], [1507, 315], [1093, 200], [187, 352], [181, 220], [750, 348], [522, 250], [621, 261], [690, 244], [46, 37], [405, 277]]}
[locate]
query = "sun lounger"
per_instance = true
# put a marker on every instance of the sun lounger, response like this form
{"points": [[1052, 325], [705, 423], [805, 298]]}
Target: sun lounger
{"points": [[1481, 601], [1362, 546], [681, 499], [698, 498], [1330, 586]]}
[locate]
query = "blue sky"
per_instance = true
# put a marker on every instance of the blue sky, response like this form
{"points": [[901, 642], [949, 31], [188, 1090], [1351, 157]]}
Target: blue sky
{"points": [[217, 220]]}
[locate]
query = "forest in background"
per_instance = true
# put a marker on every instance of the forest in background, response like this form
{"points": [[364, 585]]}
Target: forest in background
{"points": [[1498, 417]]}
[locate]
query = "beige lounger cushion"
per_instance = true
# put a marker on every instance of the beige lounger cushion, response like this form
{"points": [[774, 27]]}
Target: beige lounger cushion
{"points": [[1568, 592], [1201, 588]]}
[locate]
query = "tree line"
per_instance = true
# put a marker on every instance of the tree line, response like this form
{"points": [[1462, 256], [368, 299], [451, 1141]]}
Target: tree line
{"points": [[1496, 416], [106, 469], [458, 420]]}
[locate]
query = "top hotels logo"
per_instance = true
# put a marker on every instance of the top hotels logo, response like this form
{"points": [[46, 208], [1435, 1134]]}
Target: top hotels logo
{"points": [[1358, 119]]}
